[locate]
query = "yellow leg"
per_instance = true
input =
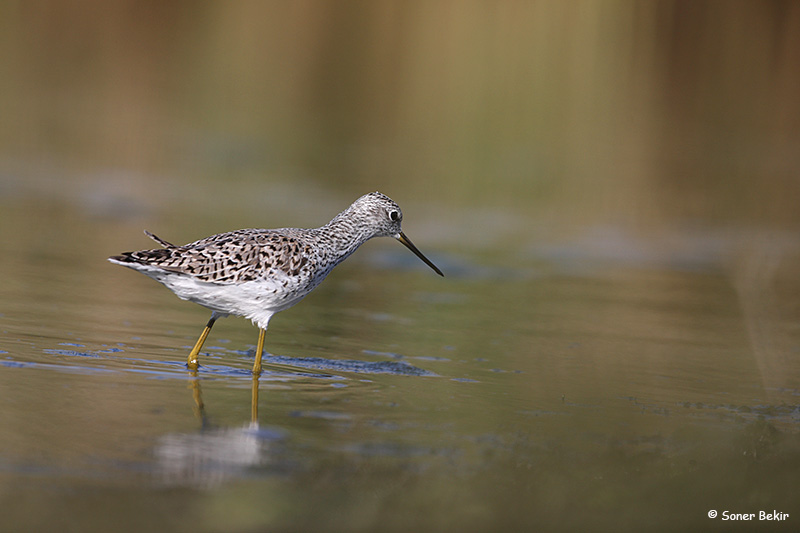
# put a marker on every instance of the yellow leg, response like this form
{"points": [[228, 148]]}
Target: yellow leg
{"points": [[192, 362], [259, 351]]}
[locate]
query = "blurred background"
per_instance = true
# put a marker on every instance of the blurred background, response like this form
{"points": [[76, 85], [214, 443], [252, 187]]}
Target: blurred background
{"points": [[611, 188], [633, 113]]}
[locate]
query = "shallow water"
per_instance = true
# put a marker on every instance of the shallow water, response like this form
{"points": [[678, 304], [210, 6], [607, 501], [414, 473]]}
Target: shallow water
{"points": [[602, 382]]}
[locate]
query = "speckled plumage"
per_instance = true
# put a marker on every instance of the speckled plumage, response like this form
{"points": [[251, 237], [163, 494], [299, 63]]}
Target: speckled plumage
{"points": [[255, 273]]}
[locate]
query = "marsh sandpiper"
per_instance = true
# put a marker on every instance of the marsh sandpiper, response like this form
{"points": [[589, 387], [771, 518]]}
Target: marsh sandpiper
{"points": [[255, 273]]}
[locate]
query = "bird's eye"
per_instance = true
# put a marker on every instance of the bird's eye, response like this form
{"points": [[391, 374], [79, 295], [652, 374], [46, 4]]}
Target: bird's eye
{"points": [[394, 215]]}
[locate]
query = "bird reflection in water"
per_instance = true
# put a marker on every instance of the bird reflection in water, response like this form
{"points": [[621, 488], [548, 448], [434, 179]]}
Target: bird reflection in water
{"points": [[213, 455]]}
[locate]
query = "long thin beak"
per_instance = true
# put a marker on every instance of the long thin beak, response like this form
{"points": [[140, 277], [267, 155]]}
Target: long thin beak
{"points": [[410, 245]]}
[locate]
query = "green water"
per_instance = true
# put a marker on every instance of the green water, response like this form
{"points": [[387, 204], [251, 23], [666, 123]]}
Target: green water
{"points": [[560, 386]]}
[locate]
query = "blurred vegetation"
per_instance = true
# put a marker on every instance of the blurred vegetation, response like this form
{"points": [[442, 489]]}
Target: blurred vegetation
{"points": [[637, 111], [504, 122]]}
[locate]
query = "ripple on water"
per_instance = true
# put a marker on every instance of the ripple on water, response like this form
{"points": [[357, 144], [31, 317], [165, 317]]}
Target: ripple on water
{"points": [[399, 368]]}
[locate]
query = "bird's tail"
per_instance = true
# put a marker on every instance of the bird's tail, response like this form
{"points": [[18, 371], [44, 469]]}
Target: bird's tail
{"points": [[144, 257], [159, 240]]}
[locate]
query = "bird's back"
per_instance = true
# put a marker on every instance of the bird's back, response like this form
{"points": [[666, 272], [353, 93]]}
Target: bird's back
{"points": [[232, 257]]}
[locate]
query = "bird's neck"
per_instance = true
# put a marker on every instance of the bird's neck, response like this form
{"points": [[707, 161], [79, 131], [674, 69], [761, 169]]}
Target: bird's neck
{"points": [[342, 236]]}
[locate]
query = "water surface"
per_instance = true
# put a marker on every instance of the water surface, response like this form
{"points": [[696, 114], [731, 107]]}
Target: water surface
{"points": [[592, 383]]}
